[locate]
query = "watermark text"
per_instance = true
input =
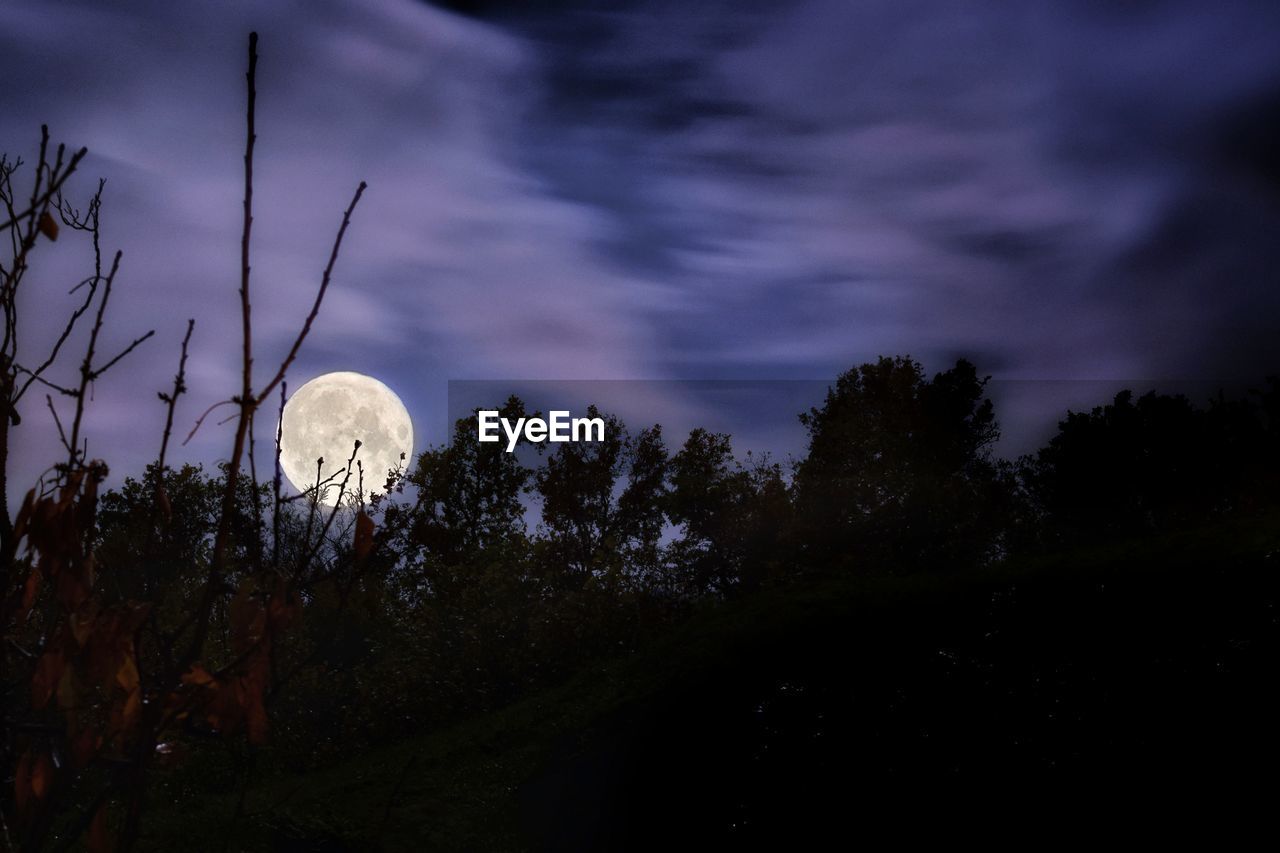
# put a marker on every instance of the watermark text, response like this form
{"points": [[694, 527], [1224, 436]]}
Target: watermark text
{"points": [[558, 427]]}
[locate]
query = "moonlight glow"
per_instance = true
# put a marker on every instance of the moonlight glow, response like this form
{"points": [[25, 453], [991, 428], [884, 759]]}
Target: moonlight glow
{"points": [[326, 416]]}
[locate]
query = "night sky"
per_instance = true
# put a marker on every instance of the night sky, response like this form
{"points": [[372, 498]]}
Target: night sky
{"points": [[748, 190]]}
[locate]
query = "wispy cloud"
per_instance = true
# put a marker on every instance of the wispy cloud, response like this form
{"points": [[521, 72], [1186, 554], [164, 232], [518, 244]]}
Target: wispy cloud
{"points": [[667, 190]]}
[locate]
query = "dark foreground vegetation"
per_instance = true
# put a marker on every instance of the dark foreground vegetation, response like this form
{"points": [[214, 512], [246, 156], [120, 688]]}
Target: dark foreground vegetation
{"points": [[899, 631], [1127, 688]]}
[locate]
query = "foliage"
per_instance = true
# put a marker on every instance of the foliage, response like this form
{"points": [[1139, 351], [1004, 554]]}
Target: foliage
{"points": [[1156, 463], [731, 516], [898, 473], [747, 684]]}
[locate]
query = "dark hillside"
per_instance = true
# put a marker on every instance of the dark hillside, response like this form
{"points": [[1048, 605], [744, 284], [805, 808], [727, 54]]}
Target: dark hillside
{"points": [[1116, 683]]}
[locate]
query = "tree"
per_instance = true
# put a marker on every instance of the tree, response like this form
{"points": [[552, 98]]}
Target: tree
{"points": [[468, 497], [463, 574], [641, 510], [1158, 462], [1245, 448], [596, 523], [731, 517], [581, 524], [898, 475]]}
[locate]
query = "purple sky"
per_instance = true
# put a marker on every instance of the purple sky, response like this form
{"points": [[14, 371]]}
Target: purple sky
{"points": [[1056, 190]]}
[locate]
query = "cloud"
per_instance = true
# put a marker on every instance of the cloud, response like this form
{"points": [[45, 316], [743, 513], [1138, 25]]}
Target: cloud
{"points": [[895, 176], [663, 189], [458, 263]]}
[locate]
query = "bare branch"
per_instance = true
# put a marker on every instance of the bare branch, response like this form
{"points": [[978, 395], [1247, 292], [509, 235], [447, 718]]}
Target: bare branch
{"points": [[324, 286], [337, 505], [276, 482], [62, 435], [94, 374], [62, 338], [245, 307], [246, 399], [311, 491], [171, 399], [66, 392], [257, 502], [206, 414], [86, 367]]}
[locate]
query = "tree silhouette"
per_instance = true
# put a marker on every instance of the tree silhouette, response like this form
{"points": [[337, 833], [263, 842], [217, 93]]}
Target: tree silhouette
{"points": [[602, 506], [898, 474], [731, 516], [581, 514], [468, 496], [1133, 467]]}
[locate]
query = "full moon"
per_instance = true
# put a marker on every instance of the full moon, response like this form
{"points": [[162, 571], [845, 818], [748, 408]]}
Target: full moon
{"points": [[326, 416]]}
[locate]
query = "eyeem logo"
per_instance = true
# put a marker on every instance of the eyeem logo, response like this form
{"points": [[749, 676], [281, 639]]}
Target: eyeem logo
{"points": [[559, 428]]}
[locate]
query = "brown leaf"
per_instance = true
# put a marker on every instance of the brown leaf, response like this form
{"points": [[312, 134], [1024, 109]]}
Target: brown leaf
{"points": [[98, 839], [22, 783], [29, 591], [48, 227], [82, 622], [127, 674], [131, 711], [46, 677], [162, 501], [41, 775], [84, 746], [199, 676], [73, 587], [282, 606], [364, 536], [67, 693], [24, 515]]}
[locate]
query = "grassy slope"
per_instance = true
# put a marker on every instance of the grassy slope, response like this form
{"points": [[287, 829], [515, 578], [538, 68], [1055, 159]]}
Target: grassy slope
{"points": [[907, 646]]}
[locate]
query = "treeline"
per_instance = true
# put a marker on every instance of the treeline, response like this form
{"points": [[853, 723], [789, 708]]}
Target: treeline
{"points": [[465, 605]]}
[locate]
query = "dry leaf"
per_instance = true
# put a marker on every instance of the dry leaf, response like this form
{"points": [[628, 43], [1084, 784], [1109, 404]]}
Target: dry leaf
{"points": [[99, 838], [364, 536], [48, 227]]}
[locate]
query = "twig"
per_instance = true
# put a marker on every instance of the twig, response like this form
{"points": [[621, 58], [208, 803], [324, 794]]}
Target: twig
{"points": [[171, 399], [311, 491], [61, 389], [200, 419], [276, 482], [315, 500], [86, 367], [257, 502], [62, 338], [97, 372], [61, 434], [315, 306], [54, 187]]}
